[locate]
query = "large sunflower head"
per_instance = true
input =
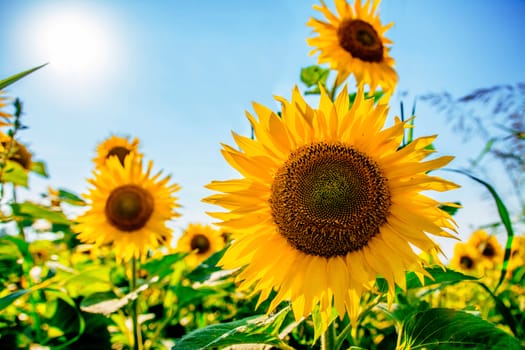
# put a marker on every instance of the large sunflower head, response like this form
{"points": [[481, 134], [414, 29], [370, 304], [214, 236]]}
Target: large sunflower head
{"points": [[115, 146], [327, 201], [201, 241], [129, 208], [353, 41], [488, 246]]}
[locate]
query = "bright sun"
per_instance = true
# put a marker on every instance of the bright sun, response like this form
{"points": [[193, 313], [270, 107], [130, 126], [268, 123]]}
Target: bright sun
{"points": [[79, 43]]}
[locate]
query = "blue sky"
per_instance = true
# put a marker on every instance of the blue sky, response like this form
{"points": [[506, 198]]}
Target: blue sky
{"points": [[180, 74]]}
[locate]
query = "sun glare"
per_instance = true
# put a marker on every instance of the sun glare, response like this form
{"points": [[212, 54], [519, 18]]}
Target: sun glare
{"points": [[74, 44], [78, 42]]}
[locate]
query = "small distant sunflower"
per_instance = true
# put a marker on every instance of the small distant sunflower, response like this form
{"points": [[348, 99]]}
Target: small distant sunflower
{"points": [[465, 258], [202, 240], [115, 146], [128, 209], [353, 41], [488, 247], [326, 202], [54, 197]]}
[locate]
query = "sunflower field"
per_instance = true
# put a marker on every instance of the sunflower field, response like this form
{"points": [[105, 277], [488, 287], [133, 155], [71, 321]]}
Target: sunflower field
{"points": [[326, 239]]}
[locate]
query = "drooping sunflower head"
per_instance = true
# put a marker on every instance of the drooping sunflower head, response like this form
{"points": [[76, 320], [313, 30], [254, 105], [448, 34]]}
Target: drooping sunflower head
{"points": [[353, 41], [201, 241], [466, 258], [326, 201], [129, 208], [115, 146], [18, 152], [488, 246]]}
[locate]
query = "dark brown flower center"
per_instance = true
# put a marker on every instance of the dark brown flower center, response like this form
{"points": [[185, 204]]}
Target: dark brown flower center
{"points": [[120, 152], [488, 251], [466, 262], [200, 242], [361, 40], [129, 207], [329, 199]]}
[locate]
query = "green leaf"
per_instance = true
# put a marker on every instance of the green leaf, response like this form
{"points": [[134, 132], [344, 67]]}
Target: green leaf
{"points": [[10, 80], [443, 276], [36, 211], [509, 318], [505, 219], [442, 328], [67, 318], [106, 302], [188, 295], [314, 91], [96, 334], [102, 303], [22, 246], [251, 330], [15, 174], [88, 281], [39, 167], [314, 75], [9, 266], [484, 151], [376, 96], [10, 298], [203, 272], [162, 267], [70, 198], [319, 322], [452, 210]]}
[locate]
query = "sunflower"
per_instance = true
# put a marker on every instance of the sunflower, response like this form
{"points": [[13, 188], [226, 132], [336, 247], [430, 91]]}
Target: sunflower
{"points": [[202, 240], [21, 155], [54, 197], [465, 258], [353, 41], [128, 208], [488, 246], [115, 146], [18, 153], [326, 202]]}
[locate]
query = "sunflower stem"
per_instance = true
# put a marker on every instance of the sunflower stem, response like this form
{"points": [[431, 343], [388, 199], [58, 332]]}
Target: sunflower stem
{"points": [[334, 88], [328, 338], [340, 338], [137, 336], [26, 268]]}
